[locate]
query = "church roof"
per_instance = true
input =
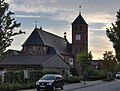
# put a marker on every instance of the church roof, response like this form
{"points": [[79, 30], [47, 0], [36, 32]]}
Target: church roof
{"points": [[41, 37], [79, 20], [34, 39]]}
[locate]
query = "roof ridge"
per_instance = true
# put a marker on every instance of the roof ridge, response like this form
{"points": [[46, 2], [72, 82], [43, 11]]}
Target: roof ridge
{"points": [[52, 34], [81, 20], [54, 57], [50, 59], [40, 35]]}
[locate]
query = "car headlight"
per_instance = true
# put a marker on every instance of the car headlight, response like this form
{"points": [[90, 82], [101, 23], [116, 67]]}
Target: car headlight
{"points": [[50, 83], [37, 83]]}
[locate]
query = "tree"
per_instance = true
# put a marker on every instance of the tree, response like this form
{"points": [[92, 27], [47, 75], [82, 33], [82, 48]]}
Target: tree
{"points": [[113, 33], [7, 27], [109, 62], [84, 61]]}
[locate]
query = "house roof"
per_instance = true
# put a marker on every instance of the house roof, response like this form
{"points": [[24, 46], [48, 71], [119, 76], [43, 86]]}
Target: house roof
{"points": [[41, 37], [79, 20], [25, 59], [96, 62], [13, 52], [36, 60]]}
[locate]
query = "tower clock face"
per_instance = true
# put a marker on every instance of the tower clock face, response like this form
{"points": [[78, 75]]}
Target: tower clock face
{"points": [[78, 37]]}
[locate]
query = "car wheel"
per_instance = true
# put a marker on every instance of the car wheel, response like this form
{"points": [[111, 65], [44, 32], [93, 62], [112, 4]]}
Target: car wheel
{"points": [[38, 89], [61, 87], [53, 88]]}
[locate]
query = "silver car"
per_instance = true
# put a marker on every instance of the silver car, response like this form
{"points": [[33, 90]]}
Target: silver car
{"points": [[118, 75]]}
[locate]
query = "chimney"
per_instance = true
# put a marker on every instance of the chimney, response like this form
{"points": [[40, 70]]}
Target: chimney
{"points": [[40, 27]]}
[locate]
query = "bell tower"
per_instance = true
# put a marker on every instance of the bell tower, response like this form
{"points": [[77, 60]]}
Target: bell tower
{"points": [[79, 35]]}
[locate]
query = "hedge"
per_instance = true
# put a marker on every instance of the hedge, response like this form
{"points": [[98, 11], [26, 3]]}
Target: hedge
{"points": [[72, 79], [14, 80]]}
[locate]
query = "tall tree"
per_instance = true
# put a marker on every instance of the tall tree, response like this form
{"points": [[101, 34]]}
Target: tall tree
{"points": [[7, 27], [84, 61], [113, 34], [109, 61]]}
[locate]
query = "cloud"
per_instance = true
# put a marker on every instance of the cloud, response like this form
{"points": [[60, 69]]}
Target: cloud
{"points": [[97, 26], [63, 16], [99, 17], [99, 43], [27, 16]]}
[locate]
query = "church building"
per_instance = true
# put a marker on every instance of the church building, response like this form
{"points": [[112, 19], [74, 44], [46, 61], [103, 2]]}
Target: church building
{"points": [[48, 52]]}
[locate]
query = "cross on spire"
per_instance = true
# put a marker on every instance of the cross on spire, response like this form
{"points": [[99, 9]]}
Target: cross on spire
{"points": [[35, 24], [65, 35], [79, 9]]}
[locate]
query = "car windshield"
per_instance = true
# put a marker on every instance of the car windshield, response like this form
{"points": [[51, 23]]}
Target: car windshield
{"points": [[48, 77]]}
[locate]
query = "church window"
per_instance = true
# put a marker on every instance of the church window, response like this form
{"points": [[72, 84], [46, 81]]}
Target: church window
{"points": [[80, 28], [75, 28], [75, 49], [80, 49]]}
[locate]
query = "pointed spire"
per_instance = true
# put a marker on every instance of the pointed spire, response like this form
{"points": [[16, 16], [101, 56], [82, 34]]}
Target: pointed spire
{"points": [[80, 10], [35, 24]]}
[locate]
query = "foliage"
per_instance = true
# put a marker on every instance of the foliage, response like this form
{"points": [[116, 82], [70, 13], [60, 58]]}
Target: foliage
{"points": [[84, 61], [94, 78], [113, 33], [72, 79], [14, 77], [7, 27], [118, 67], [14, 80], [95, 72], [16, 86], [109, 61]]}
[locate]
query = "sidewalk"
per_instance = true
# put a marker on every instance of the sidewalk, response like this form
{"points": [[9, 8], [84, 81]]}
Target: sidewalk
{"points": [[81, 85], [74, 86]]}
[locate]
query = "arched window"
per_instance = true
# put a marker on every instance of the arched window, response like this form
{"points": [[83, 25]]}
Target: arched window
{"points": [[76, 28], [80, 28]]}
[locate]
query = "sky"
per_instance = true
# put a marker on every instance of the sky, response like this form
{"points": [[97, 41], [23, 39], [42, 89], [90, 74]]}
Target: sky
{"points": [[56, 16]]}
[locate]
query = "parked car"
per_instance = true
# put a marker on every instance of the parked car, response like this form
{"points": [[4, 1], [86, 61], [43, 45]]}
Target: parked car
{"points": [[118, 75], [50, 82]]}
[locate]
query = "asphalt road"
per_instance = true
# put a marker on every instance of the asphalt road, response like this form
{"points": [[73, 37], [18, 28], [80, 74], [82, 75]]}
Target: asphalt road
{"points": [[109, 86], [90, 86]]}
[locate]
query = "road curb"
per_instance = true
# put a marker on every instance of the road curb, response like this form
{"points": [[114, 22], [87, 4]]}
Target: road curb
{"points": [[84, 86]]}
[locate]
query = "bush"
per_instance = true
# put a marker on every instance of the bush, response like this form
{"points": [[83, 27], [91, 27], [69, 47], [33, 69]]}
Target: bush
{"points": [[16, 86], [14, 80], [94, 78], [13, 77], [72, 79], [96, 72]]}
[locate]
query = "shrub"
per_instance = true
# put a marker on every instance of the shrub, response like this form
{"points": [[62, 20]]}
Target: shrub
{"points": [[72, 79], [13, 77], [94, 78], [14, 80], [16, 86]]}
